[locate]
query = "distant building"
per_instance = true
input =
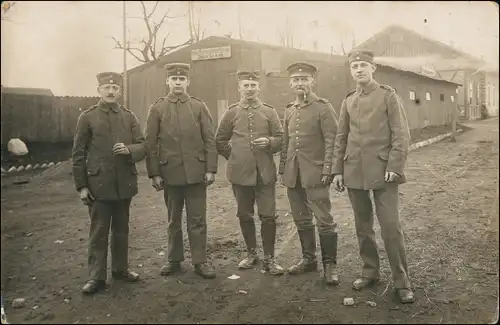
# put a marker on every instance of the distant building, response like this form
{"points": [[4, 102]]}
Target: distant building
{"points": [[478, 79], [27, 91], [215, 60]]}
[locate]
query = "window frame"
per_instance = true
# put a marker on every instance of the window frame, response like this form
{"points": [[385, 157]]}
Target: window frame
{"points": [[414, 95]]}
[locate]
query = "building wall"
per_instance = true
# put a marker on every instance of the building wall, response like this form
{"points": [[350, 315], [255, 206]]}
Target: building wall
{"points": [[491, 85], [472, 94]]}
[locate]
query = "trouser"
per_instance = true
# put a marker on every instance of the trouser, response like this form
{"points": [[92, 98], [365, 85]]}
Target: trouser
{"points": [[387, 209], [103, 215], [265, 197], [304, 202], [194, 196]]}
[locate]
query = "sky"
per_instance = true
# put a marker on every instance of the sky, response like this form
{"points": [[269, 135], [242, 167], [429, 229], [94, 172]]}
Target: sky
{"points": [[63, 45]]}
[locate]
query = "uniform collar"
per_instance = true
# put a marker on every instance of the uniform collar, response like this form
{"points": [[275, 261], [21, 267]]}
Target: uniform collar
{"points": [[174, 98], [368, 88], [311, 98], [253, 104], [107, 106]]}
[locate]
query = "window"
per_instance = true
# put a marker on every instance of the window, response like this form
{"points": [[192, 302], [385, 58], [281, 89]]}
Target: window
{"points": [[441, 97], [412, 95], [456, 90], [452, 98], [427, 96]]}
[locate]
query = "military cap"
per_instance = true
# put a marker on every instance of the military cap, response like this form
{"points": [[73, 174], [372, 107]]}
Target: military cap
{"points": [[302, 69], [105, 78], [248, 75], [177, 69], [360, 55]]}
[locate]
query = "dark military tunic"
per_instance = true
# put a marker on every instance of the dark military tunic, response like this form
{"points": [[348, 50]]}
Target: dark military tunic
{"points": [[108, 176], [309, 135], [373, 136], [180, 138], [242, 123]]}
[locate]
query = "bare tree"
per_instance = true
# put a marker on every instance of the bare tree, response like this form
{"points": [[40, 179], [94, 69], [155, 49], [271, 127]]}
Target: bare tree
{"points": [[153, 46], [6, 7], [195, 31], [345, 34], [286, 34]]}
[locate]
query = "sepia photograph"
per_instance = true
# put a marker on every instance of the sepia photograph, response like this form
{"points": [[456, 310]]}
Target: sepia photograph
{"points": [[246, 162]]}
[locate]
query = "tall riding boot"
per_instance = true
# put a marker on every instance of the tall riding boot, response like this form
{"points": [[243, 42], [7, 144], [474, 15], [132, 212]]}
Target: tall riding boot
{"points": [[329, 257], [268, 234], [308, 262], [248, 231]]}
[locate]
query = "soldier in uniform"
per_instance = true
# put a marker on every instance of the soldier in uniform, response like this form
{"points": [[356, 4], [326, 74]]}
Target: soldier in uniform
{"points": [[182, 161], [108, 142], [255, 131], [370, 155], [306, 160]]}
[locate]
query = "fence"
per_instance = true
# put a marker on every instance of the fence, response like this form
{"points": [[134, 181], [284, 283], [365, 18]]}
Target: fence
{"points": [[37, 118]]}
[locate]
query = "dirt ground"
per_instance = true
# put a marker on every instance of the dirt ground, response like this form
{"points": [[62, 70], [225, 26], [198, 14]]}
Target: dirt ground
{"points": [[449, 211]]}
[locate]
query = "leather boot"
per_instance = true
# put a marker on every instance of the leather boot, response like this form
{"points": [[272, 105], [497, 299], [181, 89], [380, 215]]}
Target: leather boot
{"points": [[308, 263], [127, 276], [249, 235], [93, 286], [268, 234], [329, 257], [170, 268], [250, 260], [204, 270]]}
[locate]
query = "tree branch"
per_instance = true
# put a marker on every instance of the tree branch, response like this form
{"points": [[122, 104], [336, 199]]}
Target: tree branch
{"points": [[129, 50], [152, 11], [148, 49], [167, 49], [118, 45]]}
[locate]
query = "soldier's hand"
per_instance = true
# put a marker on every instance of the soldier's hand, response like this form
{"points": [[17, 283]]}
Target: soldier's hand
{"points": [[86, 196], [326, 179], [157, 182], [120, 149], [209, 179], [390, 176], [261, 143], [338, 182]]}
